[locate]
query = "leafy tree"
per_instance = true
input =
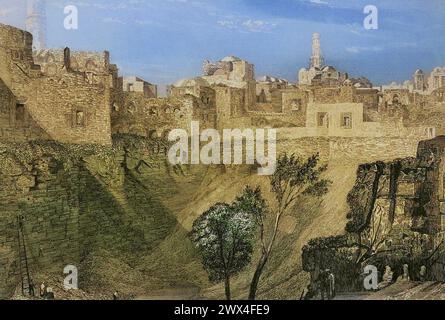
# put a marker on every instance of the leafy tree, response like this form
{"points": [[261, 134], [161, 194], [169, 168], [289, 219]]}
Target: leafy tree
{"points": [[225, 235], [293, 177]]}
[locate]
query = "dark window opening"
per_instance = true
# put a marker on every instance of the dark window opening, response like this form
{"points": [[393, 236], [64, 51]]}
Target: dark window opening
{"points": [[20, 114], [346, 121], [80, 119]]}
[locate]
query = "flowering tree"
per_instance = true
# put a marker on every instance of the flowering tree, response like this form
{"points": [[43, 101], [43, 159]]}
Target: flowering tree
{"points": [[293, 178], [224, 234]]}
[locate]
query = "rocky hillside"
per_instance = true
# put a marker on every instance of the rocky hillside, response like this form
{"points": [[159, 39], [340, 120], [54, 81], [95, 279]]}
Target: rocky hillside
{"points": [[122, 214]]}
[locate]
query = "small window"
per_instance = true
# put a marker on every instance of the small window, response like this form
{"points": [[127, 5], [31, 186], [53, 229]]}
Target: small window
{"points": [[16, 55], [346, 121], [296, 104], [80, 119], [322, 119], [20, 114]]}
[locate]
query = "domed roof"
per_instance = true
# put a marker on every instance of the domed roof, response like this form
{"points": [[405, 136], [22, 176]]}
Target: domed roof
{"points": [[419, 71], [272, 79], [329, 68], [230, 59], [191, 82]]}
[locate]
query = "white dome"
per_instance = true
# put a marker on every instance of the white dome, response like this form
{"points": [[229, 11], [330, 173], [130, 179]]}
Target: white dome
{"points": [[272, 79], [191, 82], [329, 68], [230, 59]]}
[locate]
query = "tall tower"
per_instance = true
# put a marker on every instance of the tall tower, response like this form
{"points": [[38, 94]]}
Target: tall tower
{"points": [[419, 80], [36, 23], [317, 59]]}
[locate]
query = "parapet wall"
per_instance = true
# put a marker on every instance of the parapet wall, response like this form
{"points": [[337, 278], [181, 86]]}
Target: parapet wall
{"points": [[349, 150], [152, 117], [53, 60]]}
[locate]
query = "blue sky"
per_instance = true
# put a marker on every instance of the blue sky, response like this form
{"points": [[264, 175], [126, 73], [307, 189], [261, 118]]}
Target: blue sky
{"points": [[166, 40]]}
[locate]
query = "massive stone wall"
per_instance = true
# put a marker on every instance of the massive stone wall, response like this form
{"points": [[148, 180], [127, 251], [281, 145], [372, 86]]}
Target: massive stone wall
{"points": [[72, 110], [155, 117], [73, 202], [16, 124], [69, 106], [230, 103]]}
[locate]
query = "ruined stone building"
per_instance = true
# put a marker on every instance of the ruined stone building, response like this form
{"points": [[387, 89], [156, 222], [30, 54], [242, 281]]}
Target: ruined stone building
{"points": [[330, 104], [67, 98], [135, 84], [78, 97], [226, 90], [264, 88], [422, 82], [144, 114], [436, 79]]}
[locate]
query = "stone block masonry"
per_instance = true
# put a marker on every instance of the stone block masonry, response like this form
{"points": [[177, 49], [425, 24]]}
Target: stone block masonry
{"points": [[58, 102], [75, 200]]}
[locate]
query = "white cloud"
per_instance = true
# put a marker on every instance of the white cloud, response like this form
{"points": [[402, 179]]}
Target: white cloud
{"points": [[113, 20], [249, 25], [257, 25], [357, 50], [318, 1], [227, 24]]}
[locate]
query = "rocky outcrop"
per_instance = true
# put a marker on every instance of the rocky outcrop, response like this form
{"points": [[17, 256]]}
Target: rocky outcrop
{"points": [[396, 217]]}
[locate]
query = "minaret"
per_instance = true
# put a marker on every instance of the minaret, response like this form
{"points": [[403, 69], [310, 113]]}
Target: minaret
{"points": [[36, 23], [317, 59]]}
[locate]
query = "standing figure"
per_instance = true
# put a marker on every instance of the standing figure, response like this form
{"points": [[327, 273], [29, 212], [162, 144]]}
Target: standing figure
{"points": [[43, 290], [387, 278], [331, 280], [405, 275], [422, 273]]}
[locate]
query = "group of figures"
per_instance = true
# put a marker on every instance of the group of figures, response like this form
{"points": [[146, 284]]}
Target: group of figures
{"points": [[388, 276], [324, 286]]}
